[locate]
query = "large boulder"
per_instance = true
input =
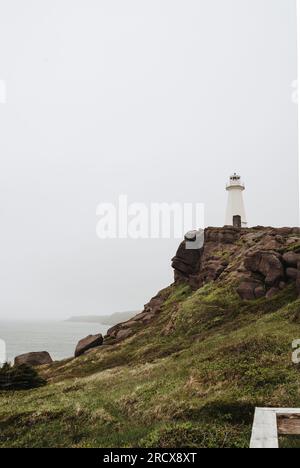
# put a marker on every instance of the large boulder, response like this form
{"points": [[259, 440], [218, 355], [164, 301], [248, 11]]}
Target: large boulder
{"points": [[292, 273], [124, 333], [33, 359], [252, 262], [213, 269], [291, 258], [250, 289], [89, 342], [266, 263], [186, 261], [271, 242], [225, 235], [272, 292]]}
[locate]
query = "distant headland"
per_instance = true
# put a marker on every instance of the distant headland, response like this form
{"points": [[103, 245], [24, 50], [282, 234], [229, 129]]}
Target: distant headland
{"points": [[111, 320]]}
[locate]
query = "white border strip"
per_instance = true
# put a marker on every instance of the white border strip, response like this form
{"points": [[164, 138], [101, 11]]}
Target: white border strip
{"points": [[298, 73]]}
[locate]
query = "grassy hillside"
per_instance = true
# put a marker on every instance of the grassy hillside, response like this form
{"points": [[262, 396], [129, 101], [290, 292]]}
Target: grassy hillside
{"points": [[191, 378]]}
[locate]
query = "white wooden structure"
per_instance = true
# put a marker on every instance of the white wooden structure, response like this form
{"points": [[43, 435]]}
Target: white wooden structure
{"points": [[265, 426]]}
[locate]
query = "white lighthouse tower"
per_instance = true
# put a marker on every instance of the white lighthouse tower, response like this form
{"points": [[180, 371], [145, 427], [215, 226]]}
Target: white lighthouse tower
{"points": [[235, 213]]}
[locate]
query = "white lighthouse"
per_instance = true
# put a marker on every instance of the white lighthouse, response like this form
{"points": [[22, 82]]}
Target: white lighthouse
{"points": [[235, 213]]}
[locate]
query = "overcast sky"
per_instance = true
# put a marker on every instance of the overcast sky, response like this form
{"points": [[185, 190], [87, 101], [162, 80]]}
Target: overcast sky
{"points": [[157, 99]]}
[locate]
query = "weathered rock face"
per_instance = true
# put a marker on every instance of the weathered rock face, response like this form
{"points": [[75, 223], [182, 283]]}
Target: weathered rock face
{"points": [[251, 289], [126, 329], [207, 264], [89, 342], [186, 262], [268, 264], [225, 235], [261, 260], [292, 273], [291, 258], [33, 359]]}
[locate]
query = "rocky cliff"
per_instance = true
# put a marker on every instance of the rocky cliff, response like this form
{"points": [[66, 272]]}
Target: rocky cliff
{"points": [[258, 262]]}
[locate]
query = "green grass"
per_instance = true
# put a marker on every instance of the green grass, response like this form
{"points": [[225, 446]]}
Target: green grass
{"points": [[289, 442], [192, 378]]}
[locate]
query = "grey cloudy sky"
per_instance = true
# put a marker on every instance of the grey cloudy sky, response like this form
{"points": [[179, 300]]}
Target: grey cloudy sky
{"points": [[160, 100]]}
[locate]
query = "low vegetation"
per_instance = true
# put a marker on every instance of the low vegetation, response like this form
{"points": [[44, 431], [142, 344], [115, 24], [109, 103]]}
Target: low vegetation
{"points": [[191, 378], [19, 378]]}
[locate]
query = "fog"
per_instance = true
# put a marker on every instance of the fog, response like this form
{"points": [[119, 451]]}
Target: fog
{"points": [[160, 100]]}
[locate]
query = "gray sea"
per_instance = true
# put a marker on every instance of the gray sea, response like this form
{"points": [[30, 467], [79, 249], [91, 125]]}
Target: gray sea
{"points": [[58, 338]]}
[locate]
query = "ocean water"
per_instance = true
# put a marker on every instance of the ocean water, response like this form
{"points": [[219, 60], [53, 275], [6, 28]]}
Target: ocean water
{"points": [[58, 338]]}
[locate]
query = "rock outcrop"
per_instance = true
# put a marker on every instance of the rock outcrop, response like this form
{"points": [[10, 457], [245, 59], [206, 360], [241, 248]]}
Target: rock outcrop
{"points": [[126, 329], [208, 263], [33, 359], [186, 262], [268, 264], [251, 289], [261, 260], [89, 342]]}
